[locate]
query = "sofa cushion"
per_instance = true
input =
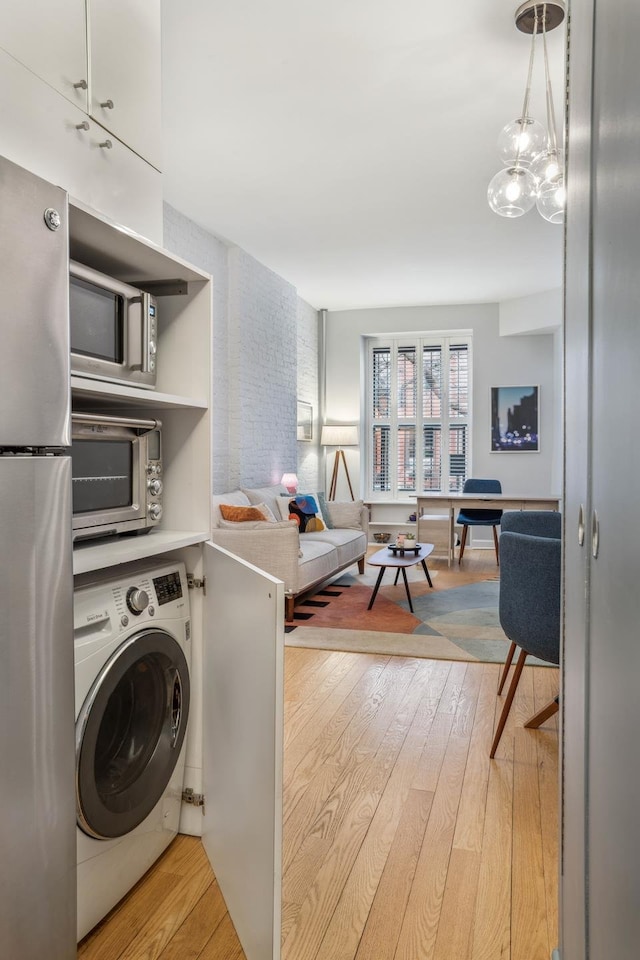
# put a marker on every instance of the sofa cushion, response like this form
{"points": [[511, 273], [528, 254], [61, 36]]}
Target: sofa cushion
{"points": [[324, 509], [269, 495], [235, 498], [346, 513], [318, 561], [350, 545], [251, 524]]}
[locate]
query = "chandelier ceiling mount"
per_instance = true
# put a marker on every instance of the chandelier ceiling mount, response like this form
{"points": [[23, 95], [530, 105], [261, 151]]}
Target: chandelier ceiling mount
{"points": [[550, 16]]}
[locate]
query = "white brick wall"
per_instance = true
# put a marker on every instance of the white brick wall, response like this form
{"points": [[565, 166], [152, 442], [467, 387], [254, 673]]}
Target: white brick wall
{"points": [[265, 356], [308, 453], [262, 372]]}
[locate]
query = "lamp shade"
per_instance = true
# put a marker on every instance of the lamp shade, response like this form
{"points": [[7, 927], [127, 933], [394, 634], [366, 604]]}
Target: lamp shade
{"points": [[290, 481], [339, 435]]}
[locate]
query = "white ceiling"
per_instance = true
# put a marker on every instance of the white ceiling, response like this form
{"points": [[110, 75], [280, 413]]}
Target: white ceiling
{"points": [[348, 144]]}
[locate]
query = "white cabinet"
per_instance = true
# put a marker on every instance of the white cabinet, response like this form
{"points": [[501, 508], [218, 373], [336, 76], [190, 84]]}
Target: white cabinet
{"points": [[50, 38], [234, 739], [45, 133], [125, 75], [103, 56], [182, 399]]}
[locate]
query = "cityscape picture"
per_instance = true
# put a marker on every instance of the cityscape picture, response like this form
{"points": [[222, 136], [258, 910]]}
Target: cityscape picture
{"points": [[514, 420]]}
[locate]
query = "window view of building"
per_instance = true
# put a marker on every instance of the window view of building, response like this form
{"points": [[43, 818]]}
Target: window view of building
{"points": [[418, 415]]}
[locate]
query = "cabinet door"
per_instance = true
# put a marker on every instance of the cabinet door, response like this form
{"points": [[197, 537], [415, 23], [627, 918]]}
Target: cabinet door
{"points": [[576, 539], [243, 735], [44, 133], [125, 82], [613, 836], [50, 38]]}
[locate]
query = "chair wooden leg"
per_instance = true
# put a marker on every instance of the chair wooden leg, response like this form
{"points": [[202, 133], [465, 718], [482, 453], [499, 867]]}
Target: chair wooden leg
{"points": [[361, 565], [507, 664], [465, 528], [495, 543], [547, 711], [522, 656]]}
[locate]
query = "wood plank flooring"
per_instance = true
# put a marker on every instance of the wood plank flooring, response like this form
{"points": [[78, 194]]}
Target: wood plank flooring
{"points": [[402, 840]]}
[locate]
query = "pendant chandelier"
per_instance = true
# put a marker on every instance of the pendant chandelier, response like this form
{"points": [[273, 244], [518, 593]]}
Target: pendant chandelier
{"points": [[533, 173]]}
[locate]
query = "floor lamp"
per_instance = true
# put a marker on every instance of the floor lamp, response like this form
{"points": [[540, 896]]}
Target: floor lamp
{"points": [[339, 436]]}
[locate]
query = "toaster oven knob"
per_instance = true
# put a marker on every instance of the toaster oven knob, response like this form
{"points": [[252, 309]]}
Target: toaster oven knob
{"points": [[155, 487], [137, 600], [155, 511]]}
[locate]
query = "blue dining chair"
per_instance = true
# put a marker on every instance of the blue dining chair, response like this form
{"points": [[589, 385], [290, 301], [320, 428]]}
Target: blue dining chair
{"points": [[530, 603], [536, 523], [480, 518]]}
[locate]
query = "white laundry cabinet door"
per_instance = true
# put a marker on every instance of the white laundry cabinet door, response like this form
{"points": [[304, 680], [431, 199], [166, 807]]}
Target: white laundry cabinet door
{"points": [[242, 742]]}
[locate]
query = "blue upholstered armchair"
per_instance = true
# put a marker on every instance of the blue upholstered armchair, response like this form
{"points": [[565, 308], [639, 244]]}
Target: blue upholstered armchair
{"points": [[479, 518], [529, 606]]}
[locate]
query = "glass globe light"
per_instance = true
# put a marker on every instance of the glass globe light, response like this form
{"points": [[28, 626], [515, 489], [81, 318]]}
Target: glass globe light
{"points": [[512, 192], [521, 141], [546, 166], [551, 199]]}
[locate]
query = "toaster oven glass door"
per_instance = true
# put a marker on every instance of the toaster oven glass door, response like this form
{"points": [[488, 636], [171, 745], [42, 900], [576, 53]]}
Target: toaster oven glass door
{"points": [[102, 475]]}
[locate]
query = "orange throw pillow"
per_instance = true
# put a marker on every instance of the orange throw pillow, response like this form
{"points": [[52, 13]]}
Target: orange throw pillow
{"points": [[240, 514]]}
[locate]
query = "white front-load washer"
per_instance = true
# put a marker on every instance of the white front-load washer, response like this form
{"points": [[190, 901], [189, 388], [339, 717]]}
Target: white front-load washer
{"points": [[132, 653]]}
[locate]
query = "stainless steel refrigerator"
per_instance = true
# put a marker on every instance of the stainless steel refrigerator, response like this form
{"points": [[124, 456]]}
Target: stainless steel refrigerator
{"points": [[37, 764]]}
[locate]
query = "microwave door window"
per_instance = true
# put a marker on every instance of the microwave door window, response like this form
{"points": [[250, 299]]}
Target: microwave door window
{"points": [[102, 471], [97, 321]]}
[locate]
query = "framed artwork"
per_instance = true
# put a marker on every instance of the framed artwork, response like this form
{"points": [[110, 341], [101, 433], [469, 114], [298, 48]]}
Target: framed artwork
{"points": [[305, 421], [515, 415]]}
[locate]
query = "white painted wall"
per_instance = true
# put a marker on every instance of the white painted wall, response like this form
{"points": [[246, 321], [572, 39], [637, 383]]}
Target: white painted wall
{"points": [[497, 361], [538, 313]]}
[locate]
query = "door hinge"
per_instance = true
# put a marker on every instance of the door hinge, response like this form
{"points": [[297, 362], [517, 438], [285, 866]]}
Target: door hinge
{"points": [[194, 799], [195, 584]]}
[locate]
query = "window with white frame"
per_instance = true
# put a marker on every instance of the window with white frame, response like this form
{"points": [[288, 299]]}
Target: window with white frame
{"points": [[418, 422]]}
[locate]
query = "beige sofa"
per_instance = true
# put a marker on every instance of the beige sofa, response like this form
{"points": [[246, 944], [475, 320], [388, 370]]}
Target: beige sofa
{"points": [[300, 560]]}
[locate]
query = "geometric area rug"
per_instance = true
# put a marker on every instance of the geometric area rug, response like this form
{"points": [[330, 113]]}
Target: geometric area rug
{"points": [[459, 623]]}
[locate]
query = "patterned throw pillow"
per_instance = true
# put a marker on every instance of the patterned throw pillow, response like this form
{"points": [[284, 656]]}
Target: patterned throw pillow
{"points": [[306, 512]]}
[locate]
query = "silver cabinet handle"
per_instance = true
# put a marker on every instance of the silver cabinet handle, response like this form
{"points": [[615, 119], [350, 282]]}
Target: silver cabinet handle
{"points": [[595, 534], [107, 144], [81, 85], [82, 126], [107, 104], [581, 525]]}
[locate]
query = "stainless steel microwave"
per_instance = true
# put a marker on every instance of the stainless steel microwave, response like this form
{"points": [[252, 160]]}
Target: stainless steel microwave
{"points": [[116, 467], [114, 329]]}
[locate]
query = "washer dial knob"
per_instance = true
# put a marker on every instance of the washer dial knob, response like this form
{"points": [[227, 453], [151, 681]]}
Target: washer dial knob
{"points": [[137, 600]]}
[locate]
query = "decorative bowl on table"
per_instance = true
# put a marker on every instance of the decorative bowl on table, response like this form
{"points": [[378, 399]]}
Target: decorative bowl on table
{"points": [[382, 537]]}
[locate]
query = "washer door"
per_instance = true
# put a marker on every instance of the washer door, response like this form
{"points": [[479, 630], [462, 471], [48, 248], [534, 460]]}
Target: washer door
{"points": [[129, 733]]}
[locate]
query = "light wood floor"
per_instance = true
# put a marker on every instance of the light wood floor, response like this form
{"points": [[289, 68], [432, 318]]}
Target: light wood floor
{"points": [[402, 840]]}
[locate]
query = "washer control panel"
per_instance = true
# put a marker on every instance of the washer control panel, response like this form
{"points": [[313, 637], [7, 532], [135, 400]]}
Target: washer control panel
{"points": [[141, 594]]}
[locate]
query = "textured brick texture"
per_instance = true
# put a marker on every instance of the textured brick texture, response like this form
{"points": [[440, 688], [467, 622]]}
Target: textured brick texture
{"points": [[265, 357], [308, 371], [262, 372]]}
